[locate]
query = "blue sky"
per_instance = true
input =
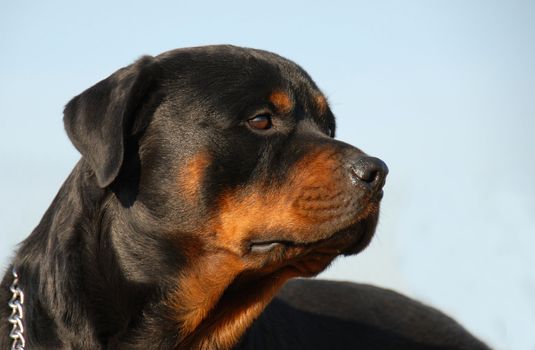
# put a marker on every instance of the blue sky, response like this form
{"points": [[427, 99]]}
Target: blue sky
{"points": [[443, 91]]}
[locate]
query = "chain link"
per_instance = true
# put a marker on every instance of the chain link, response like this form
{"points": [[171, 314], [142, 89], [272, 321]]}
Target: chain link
{"points": [[16, 302]]}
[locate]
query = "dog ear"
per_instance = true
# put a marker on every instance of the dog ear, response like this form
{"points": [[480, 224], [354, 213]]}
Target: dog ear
{"points": [[97, 120]]}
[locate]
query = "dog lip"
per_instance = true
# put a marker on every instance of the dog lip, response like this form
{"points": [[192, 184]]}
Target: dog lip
{"points": [[266, 246], [379, 195], [260, 245]]}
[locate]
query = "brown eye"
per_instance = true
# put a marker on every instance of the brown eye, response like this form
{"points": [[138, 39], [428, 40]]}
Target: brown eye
{"points": [[261, 122]]}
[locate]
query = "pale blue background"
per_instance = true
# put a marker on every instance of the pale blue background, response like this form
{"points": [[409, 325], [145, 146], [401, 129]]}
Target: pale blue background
{"points": [[443, 91]]}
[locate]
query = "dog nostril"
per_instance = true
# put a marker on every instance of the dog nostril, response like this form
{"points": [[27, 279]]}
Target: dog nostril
{"points": [[370, 170], [364, 175]]}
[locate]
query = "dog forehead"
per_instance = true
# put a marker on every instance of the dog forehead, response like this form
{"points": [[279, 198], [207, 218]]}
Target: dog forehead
{"points": [[225, 67], [217, 55], [223, 84]]}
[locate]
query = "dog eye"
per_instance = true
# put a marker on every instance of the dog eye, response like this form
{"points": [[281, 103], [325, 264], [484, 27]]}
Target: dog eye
{"points": [[261, 122], [330, 130]]}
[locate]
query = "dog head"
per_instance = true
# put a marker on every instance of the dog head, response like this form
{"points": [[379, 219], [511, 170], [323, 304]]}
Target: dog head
{"points": [[225, 180]]}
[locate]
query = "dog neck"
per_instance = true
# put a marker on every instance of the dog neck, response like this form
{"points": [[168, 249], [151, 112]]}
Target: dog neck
{"points": [[81, 291], [75, 294]]}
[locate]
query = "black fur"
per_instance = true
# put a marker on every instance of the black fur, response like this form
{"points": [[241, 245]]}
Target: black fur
{"points": [[97, 269], [316, 314]]}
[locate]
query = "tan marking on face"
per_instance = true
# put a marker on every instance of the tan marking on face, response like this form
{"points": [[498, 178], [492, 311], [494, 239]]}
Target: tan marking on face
{"points": [[229, 320], [212, 305], [321, 104], [303, 208], [256, 210], [192, 173], [282, 101], [200, 287]]}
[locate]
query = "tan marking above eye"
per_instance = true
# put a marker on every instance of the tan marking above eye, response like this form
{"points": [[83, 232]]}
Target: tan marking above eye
{"points": [[321, 104], [282, 101]]}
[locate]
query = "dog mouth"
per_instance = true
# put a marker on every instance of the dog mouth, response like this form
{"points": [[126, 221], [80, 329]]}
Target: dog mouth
{"points": [[267, 246], [351, 228], [349, 240], [261, 246]]}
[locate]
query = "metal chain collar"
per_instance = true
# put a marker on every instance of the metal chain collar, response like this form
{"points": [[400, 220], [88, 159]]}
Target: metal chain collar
{"points": [[16, 302]]}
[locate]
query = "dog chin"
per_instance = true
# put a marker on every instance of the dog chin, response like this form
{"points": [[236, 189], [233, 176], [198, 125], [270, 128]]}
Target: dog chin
{"points": [[349, 241], [364, 231]]}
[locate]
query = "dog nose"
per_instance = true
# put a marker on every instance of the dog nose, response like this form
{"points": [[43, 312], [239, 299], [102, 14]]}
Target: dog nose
{"points": [[370, 171]]}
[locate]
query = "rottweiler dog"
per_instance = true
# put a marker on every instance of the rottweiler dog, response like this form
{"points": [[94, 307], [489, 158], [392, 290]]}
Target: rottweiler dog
{"points": [[209, 177]]}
